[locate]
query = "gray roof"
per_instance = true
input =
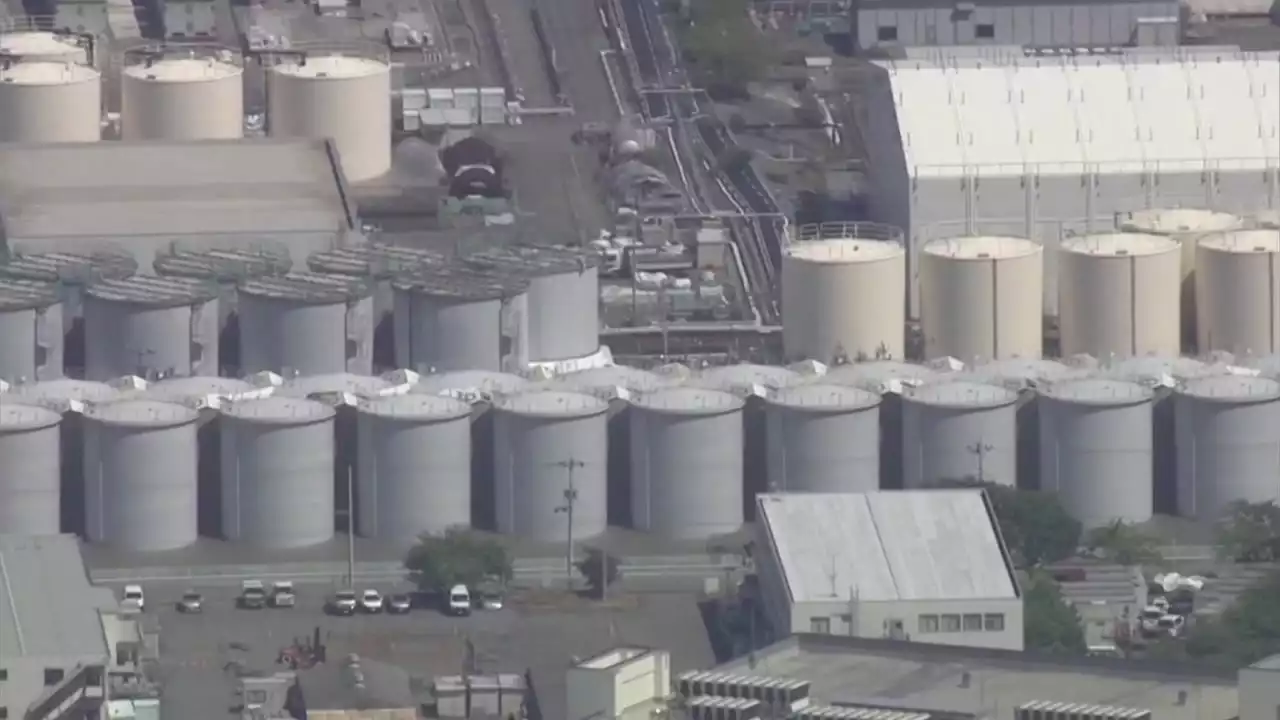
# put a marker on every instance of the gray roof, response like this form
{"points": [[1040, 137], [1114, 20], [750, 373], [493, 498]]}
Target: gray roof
{"points": [[47, 606], [356, 684]]}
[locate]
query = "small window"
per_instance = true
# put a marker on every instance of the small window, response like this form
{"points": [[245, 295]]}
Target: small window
{"points": [[888, 33], [4, 713], [257, 697], [53, 676], [984, 31], [928, 624], [820, 625], [973, 623], [4, 674], [950, 623], [993, 622]]}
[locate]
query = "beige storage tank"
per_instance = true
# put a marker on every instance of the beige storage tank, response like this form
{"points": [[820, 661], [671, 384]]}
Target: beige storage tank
{"points": [[45, 101], [1269, 219], [1118, 295], [183, 93], [843, 297], [346, 98], [982, 298], [37, 46], [1238, 292]]}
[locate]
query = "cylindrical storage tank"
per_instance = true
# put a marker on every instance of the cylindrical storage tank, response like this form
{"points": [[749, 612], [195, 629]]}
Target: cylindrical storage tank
{"points": [[277, 472], [564, 298], [151, 327], [1228, 444], [415, 466], [38, 46], [1238, 292], [306, 324], [30, 470], [840, 300], [345, 99], [746, 378], [181, 93], [451, 318], [550, 454], [50, 102], [1267, 220], [1118, 295], [140, 460], [686, 463], [824, 438], [472, 385], [1096, 445], [982, 298], [31, 334], [888, 378], [959, 431]]}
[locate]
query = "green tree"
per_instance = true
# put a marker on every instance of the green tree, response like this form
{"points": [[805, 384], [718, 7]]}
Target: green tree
{"points": [[459, 556], [1050, 623], [723, 49], [601, 569], [1249, 532], [1036, 529], [1123, 544]]}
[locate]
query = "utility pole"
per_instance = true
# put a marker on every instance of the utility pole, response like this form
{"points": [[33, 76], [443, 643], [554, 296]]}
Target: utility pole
{"points": [[570, 499], [980, 449], [351, 529]]}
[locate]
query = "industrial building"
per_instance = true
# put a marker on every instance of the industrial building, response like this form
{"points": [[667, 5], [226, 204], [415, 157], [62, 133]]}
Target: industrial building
{"points": [[617, 683], [1046, 146], [929, 567]]}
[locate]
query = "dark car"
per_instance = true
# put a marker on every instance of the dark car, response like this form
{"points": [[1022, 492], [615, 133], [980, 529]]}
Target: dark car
{"points": [[398, 604]]}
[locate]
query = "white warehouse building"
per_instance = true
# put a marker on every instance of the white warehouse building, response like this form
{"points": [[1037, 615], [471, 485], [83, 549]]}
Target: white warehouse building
{"points": [[925, 566], [1001, 141]]}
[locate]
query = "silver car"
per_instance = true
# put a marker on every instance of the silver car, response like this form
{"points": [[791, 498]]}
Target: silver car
{"points": [[191, 602]]}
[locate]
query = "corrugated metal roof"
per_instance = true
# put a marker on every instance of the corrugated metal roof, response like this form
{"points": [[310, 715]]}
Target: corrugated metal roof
{"points": [[47, 606]]}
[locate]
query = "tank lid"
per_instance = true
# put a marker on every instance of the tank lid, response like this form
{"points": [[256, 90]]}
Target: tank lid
{"points": [[184, 388], [461, 283], [959, 393], [183, 70], [1244, 241], [37, 43], [338, 67], [17, 294], [746, 376], [416, 406], [844, 250], [1021, 371], [373, 260], [141, 413], [613, 376], [69, 267], [1118, 244], [1267, 219], [153, 291], [312, 288], [535, 260], [1098, 391], [689, 401], [983, 247], [46, 73], [1161, 370], [334, 384], [821, 397], [551, 403], [63, 394], [16, 418], [1176, 221], [279, 409], [471, 384], [1233, 388], [224, 265], [879, 375]]}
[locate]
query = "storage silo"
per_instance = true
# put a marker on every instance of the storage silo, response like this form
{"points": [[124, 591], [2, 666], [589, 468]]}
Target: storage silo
{"points": [[45, 101], [1118, 295], [30, 470], [959, 431], [982, 298], [1267, 220], [40, 46], [550, 455], [31, 335], [1238, 292], [451, 318], [151, 327], [181, 92], [1228, 444], [563, 297], [686, 463], [888, 378], [307, 324], [1096, 449], [277, 472], [840, 300], [824, 438], [342, 98], [141, 489], [415, 466]]}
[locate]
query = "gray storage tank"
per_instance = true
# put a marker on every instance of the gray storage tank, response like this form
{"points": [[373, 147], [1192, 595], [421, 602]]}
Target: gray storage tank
{"points": [[1096, 446], [889, 378], [31, 334], [277, 472], [564, 298], [453, 318], [306, 323], [30, 470], [415, 466], [150, 327], [140, 461], [686, 463], [959, 431], [550, 451], [1228, 443], [824, 438]]}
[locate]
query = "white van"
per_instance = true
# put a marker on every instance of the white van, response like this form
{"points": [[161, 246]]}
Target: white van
{"points": [[459, 600]]}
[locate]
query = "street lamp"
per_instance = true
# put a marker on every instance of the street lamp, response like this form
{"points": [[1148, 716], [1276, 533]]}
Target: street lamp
{"points": [[570, 499]]}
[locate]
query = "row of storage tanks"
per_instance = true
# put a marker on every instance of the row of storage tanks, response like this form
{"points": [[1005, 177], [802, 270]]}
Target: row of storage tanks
{"points": [[51, 87], [210, 312], [1165, 282], [676, 453]]}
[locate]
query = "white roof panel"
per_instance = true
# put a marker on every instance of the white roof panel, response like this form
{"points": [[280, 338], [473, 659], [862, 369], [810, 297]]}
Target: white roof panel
{"points": [[933, 135], [979, 95], [1047, 135], [1108, 127], [1264, 88], [1167, 125]]}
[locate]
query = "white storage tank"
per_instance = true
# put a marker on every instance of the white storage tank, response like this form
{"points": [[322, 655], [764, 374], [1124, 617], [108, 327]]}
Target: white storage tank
{"points": [[31, 333], [1238, 292], [140, 460], [30, 470], [840, 300], [39, 46], [1096, 446], [1228, 444], [1267, 219], [342, 98], [307, 324], [49, 101], [151, 327], [450, 318], [1119, 295], [182, 92], [982, 298], [956, 431], [824, 438]]}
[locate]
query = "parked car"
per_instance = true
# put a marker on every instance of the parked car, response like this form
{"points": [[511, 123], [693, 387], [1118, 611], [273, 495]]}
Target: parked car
{"points": [[371, 601], [491, 600], [253, 595], [459, 601], [398, 604], [342, 602], [134, 598], [191, 602], [282, 594]]}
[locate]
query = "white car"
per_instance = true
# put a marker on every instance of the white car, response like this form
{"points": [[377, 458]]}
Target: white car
{"points": [[371, 601], [459, 600], [134, 598]]}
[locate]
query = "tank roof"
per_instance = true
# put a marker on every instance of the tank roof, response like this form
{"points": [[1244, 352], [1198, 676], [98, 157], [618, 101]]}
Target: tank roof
{"points": [[279, 409], [61, 392], [961, 393], [1022, 370], [612, 376], [198, 386], [982, 247], [458, 282], [311, 288], [1126, 244], [182, 70], [373, 260], [1233, 388], [844, 250], [332, 384], [484, 381], [70, 267], [819, 397], [36, 43], [536, 260], [15, 417], [337, 67], [17, 294], [551, 403], [744, 375], [1158, 369], [47, 72], [1098, 391], [153, 291], [689, 401], [224, 265], [877, 373], [1267, 219], [141, 413], [416, 406], [1244, 241], [1173, 221]]}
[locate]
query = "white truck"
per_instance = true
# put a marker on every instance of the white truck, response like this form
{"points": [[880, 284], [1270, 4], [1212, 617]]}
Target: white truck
{"points": [[282, 594]]}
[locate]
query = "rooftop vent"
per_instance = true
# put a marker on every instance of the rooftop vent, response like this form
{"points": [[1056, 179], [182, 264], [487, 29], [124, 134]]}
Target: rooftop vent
{"points": [[1050, 710]]}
